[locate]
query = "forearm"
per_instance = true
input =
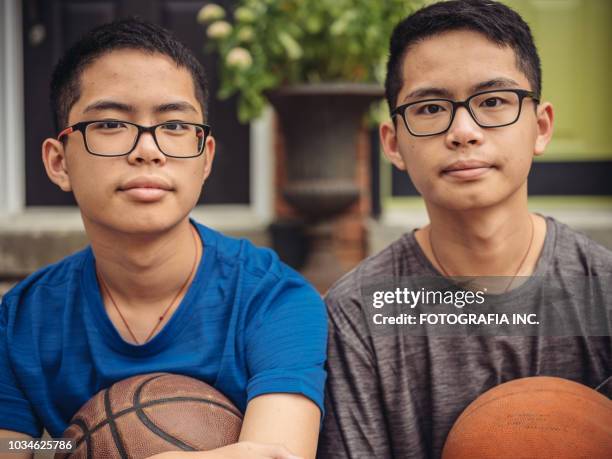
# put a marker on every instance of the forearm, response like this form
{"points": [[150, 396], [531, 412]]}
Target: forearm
{"points": [[290, 420], [275, 426]]}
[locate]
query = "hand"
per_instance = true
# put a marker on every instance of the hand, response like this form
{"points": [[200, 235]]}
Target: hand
{"points": [[240, 450]]}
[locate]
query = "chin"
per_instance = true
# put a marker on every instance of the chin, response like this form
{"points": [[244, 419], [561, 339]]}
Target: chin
{"points": [[139, 222], [468, 201], [157, 223]]}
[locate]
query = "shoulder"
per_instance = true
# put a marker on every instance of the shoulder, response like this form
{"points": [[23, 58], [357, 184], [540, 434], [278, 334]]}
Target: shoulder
{"points": [[346, 301], [573, 251], [271, 300], [241, 254], [259, 281], [399, 259]]}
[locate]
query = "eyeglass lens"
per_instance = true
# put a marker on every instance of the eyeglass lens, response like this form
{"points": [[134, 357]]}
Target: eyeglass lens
{"points": [[116, 138], [490, 110]]}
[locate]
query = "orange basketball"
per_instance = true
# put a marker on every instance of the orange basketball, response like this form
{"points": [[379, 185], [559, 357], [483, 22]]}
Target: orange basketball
{"points": [[537, 417], [149, 414]]}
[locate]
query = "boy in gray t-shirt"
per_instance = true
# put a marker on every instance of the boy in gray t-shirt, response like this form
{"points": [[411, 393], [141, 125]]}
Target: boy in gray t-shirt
{"points": [[463, 86]]}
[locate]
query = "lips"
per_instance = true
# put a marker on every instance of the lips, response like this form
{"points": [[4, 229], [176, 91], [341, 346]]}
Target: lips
{"points": [[145, 189], [467, 169]]}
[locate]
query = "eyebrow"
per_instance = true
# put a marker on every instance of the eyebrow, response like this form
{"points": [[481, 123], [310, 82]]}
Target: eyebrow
{"points": [[175, 107], [428, 92], [432, 91], [501, 82], [101, 105]]}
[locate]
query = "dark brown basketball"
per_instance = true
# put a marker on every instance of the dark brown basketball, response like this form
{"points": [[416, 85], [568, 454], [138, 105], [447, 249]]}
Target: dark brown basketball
{"points": [[537, 417], [150, 414]]}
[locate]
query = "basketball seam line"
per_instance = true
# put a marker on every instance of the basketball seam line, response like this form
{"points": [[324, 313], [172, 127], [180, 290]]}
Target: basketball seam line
{"points": [[102, 424], [83, 425], [151, 425], [113, 426], [154, 403]]}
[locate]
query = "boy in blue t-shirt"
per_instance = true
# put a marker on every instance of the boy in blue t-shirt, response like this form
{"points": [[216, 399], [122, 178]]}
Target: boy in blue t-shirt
{"points": [[155, 291]]}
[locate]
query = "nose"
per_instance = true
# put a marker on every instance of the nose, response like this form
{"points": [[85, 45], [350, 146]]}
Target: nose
{"points": [[463, 131], [146, 151]]}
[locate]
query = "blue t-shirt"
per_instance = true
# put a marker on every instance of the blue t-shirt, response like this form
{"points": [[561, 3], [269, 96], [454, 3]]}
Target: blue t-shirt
{"points": [[248, 325]]}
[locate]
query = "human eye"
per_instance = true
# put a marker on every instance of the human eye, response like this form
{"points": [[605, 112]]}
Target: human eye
{"points": [[108, 126], [492, 102], [176, 127], [496, 100], [429, 108]]}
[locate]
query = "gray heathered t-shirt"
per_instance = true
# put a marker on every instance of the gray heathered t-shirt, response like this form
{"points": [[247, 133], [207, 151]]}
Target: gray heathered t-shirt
{"points": [[391, 395]]}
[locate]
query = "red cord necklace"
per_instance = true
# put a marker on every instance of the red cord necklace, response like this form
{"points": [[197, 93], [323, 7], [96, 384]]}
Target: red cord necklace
{"points": [[163, 315]]}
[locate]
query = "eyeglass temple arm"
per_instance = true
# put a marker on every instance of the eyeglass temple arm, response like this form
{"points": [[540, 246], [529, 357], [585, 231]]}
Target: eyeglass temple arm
{"points": [[66, 131]]}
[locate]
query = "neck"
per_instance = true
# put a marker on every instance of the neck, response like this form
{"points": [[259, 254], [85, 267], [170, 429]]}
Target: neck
{"points": [[144, 269], [502, 240]]}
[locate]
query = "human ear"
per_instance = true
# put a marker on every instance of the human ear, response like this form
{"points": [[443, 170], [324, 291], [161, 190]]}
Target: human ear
{"points": [[544, 118], [209, 156], [388, 139], [54, 159]]}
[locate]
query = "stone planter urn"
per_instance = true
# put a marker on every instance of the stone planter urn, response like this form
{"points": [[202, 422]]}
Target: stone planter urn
{"points": [[320, 125]]}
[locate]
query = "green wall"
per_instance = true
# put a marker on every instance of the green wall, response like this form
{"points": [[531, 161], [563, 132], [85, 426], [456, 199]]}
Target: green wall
{"points": [[574, 39]]}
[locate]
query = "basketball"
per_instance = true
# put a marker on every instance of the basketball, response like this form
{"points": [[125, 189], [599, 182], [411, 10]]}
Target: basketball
{"points": [[153, 413], [536, 417]]}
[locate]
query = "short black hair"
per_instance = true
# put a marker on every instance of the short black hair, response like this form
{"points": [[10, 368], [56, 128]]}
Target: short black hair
{"points": [[129, 33], [497, 22]]}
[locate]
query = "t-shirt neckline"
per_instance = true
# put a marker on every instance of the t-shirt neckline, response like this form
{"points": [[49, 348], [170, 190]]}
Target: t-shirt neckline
{"points": [[175, 324], [542, 264]]}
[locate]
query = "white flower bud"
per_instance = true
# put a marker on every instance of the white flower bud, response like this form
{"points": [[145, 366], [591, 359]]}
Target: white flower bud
{"points": [[219, 29], [210, 12], [239, 58]]}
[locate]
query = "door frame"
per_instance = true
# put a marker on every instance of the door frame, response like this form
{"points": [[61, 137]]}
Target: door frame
{"points": [[12, 129]]}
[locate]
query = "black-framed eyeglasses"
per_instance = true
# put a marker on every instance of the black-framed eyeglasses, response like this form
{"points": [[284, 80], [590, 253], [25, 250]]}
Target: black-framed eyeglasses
{"points": [[176, 139], [489, 109]]}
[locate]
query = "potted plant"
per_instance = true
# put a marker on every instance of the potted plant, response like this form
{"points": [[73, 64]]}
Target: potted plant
{"points": [[271, 44], [321, 64]]}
